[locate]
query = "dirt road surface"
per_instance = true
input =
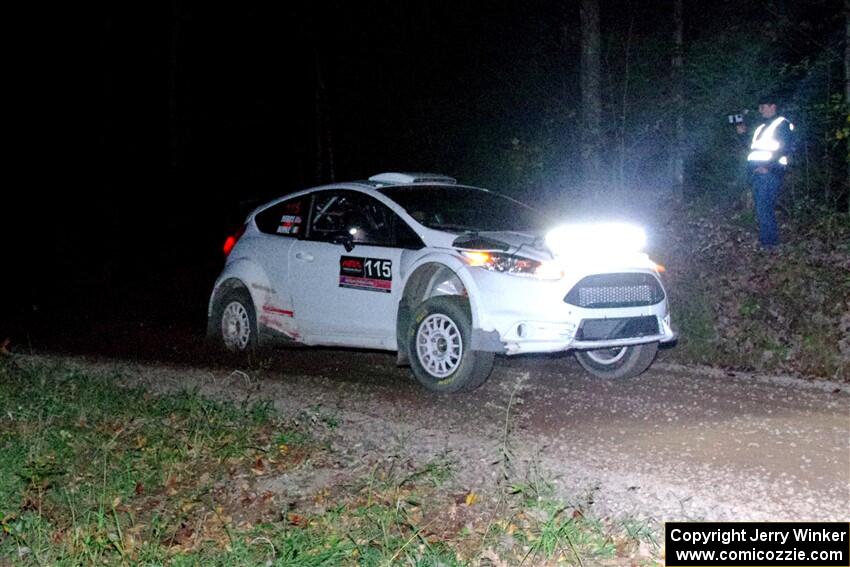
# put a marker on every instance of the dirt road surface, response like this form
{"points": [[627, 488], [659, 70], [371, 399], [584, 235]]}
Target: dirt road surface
{"points": [[676, 443]]}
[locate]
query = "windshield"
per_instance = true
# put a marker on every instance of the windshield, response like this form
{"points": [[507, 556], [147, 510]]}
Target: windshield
{"points": [[465, 209]]}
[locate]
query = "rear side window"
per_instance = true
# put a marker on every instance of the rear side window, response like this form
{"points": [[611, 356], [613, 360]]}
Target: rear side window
{"points": [[287, 218]]}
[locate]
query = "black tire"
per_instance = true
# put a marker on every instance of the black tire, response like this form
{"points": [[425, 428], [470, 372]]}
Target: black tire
{"points": [[466, 372], [614, 364], [239, 301]]}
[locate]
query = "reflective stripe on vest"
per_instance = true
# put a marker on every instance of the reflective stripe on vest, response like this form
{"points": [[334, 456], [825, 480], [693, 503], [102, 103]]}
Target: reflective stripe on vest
{"points": [[765, 143]]}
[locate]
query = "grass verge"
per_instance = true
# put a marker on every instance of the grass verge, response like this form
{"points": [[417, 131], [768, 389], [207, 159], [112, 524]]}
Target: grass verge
{"points": [[95, 473]]}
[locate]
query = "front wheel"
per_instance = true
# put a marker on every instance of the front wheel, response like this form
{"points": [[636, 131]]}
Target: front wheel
{"points": [[439, 340], [621, 362]]}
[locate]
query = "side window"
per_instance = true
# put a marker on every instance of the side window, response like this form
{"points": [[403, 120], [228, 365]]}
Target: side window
{"points": [[284, 219], [346, 212]]}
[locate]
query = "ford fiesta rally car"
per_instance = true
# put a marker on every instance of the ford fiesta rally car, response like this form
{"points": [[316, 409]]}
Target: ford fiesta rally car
{"points": [[447, 275]]}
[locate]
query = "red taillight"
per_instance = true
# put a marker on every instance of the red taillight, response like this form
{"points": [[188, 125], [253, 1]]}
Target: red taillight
{"points": [[229, 244], [232, 240]]}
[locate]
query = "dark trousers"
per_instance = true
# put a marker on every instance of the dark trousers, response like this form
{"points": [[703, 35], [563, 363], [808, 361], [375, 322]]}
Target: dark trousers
{"points": [[765, 192]]}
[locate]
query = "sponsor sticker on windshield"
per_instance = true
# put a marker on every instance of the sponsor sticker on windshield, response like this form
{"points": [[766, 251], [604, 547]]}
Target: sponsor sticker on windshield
{"points": [[369, 274]]}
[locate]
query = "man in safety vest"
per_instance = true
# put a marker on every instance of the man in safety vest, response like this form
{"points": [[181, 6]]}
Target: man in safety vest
{"points": [[767, 160]]}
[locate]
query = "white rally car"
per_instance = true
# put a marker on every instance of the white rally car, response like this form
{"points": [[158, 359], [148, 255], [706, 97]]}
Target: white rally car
{"points": [[447, 275]]}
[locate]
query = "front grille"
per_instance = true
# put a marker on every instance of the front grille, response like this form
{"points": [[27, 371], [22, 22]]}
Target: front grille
{"points": [[611, 329], [615, 290]]}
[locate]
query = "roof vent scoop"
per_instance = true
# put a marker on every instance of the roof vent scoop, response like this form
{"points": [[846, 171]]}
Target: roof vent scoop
{"points": [[393, 178]]}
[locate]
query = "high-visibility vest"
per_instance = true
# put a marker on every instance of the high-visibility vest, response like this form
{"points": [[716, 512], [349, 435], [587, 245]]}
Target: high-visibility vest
{"points": [[765, 144]]}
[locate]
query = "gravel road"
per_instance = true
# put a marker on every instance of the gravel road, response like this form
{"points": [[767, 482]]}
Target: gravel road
{"points": [[676, 443]]}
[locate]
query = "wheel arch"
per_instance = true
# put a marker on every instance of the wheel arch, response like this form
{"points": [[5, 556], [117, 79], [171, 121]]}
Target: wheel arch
{"points": [[239, 274], [220, 291], [432, 276]]}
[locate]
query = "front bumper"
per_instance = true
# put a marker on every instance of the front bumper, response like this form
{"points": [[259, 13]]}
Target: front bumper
{"points": [[546, 336], [530, 315]]}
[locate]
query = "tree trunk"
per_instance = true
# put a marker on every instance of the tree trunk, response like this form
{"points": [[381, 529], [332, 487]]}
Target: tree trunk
{"points": [[591, 97], [173, 128], [325, 170], [678, 101], [847, 87], [621, 177]]}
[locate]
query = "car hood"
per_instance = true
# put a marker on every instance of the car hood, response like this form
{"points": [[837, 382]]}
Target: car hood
{"points": [[528, 244], [584, 257]]}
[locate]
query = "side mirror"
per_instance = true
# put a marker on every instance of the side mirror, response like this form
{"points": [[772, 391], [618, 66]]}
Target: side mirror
{"points": [[345, 239]]}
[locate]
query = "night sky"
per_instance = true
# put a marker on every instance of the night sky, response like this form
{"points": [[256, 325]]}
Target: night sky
{"points": [[152, 128]]}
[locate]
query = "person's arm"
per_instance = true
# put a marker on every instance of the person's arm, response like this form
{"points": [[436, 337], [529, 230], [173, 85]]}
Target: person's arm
{"points": [[743, 139], [786, 138]]}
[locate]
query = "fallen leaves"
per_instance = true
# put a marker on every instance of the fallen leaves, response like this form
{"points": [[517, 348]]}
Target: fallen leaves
{"points": [[259, 467], [493, 558], [171, 484], [739, 306], [297, 520], [180, 537]]}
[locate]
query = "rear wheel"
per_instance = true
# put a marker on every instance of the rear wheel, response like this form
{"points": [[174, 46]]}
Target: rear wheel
{"points": [[236, 322], [439, 343], [621, 362]]}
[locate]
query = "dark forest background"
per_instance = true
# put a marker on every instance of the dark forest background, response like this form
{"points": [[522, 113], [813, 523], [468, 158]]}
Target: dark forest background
{"points": [[156, 126]]}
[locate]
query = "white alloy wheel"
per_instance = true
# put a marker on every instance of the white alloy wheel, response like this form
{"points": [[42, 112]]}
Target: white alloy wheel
{"points": [[235, 326], [607, 355], [438, 341], [439, 345]]}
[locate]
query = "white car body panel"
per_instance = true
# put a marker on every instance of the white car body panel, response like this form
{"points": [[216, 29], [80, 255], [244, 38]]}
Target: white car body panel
{"points": [[330, 314], [451, 259], [550, 323]]}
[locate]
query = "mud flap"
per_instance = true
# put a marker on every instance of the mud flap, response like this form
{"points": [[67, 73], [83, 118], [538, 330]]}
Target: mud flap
{"points": [[487, 341], [402, 322]]}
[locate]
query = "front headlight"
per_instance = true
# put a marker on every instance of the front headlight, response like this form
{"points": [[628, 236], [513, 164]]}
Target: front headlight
{"points": [[516, 265], [591, 239]]}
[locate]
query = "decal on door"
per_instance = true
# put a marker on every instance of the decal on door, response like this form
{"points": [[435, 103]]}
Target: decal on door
{"points": [[370, 274], [279, 320], [278, 311]]}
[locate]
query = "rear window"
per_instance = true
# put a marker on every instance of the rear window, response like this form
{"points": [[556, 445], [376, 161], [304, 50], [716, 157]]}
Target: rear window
{"points": [[284, 219]]}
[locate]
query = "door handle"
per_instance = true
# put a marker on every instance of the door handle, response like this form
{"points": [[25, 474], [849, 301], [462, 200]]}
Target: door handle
{"points": [[304, 256]]}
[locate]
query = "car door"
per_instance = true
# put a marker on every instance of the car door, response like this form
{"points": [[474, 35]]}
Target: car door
{"points": [[344, 275]]}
